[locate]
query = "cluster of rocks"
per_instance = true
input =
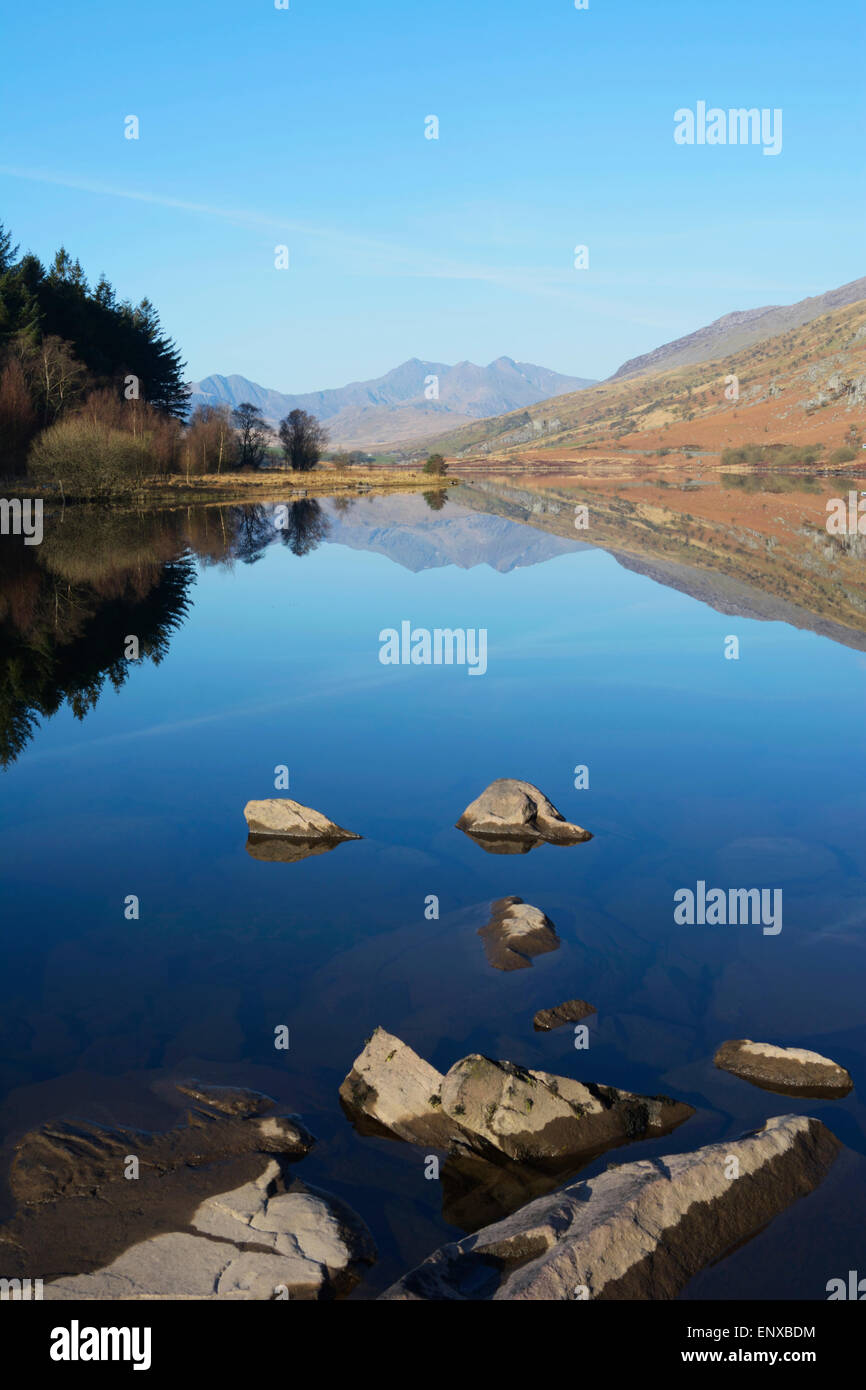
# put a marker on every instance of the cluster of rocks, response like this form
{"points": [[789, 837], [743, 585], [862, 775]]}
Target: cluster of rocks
{"points": [[638, 1230], [496, 1109], [214, 1213], [512, 1133], [509, 817], [212, 1210], [851, 390]]}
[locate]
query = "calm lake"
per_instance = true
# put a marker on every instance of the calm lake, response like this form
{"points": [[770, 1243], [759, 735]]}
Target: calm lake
{"points": [[608, 648]]}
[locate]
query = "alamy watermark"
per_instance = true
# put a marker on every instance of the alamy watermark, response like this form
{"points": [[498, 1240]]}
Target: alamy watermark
{"points": [[736, 126], [77, 1343], [854, 1289], [718, 907], [439, 646], [847, 519], [21, 517], [20, 1290]]}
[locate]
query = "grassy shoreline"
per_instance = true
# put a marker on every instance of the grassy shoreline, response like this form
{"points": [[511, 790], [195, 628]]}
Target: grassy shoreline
{"points": [[271, 485]]}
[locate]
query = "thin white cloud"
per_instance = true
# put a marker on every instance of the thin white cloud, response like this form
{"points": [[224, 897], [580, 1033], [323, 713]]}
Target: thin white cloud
{"points": [[358, 254]]}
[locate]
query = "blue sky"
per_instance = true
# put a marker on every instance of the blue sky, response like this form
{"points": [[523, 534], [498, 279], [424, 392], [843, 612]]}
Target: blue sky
{"points": [[305, 127]]}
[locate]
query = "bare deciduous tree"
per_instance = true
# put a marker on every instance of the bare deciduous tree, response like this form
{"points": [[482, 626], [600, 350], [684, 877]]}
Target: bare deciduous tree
{"points": [[247, 420]]}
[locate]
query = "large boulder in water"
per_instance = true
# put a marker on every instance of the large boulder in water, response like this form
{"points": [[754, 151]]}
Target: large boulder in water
{"points": [[496, 1109], [639, 1231], [398, 1091], [534, 1117], [511, 812]]}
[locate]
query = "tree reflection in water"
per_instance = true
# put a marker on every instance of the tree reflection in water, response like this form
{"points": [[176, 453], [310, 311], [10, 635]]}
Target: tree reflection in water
{"points": [[68, 605]]}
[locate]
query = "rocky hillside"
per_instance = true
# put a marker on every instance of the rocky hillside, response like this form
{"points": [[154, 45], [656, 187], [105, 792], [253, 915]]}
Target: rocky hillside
{"points": [[740, 329], [804, 388]]}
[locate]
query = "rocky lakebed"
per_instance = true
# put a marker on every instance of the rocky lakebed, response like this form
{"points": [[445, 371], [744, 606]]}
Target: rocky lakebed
{"points": [[216, 1207]]}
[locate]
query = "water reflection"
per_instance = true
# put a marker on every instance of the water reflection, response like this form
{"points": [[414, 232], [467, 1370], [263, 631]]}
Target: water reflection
{"points": [[594, 662], [743, 544], [69, 605], [306, 526]]}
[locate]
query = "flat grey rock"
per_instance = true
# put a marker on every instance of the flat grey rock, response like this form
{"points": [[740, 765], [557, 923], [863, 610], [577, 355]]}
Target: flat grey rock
{"points": [[115, 1212], [252, 1243]]}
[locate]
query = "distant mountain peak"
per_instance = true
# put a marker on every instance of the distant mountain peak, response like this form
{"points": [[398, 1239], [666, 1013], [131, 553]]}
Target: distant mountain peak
{"points": [[395, 407]]}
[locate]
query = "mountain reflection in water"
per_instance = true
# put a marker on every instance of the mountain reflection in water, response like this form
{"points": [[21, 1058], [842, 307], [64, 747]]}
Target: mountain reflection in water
{"points": [[67, 606], [259, 640]]}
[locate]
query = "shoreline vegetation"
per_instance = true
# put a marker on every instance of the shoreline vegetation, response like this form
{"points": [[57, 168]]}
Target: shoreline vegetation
{"points": [[269, 485], [325, 481], [94, 407]]}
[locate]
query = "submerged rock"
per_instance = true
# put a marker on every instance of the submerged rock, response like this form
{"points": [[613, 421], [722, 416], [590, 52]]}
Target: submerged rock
{"points": [[72, 1158], [496, 1109], [477, 1191], [511, 810], [515, 933], [640, 1231], [791, 1071], [263, 1240], [572, 1011], [290, 820], [228, 1100]]}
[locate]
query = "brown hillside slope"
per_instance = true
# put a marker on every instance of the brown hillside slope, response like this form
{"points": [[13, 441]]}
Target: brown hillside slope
{"points": [[806, 386], [739, 330]]}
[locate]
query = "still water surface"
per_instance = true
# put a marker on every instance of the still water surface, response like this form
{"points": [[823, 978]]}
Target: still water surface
{"points": [[740, 773]]}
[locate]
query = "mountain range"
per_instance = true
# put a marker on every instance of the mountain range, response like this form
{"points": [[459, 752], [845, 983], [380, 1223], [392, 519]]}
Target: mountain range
{"points": [[411, 402], [408, 532], [464, 408], [802, 388]]}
